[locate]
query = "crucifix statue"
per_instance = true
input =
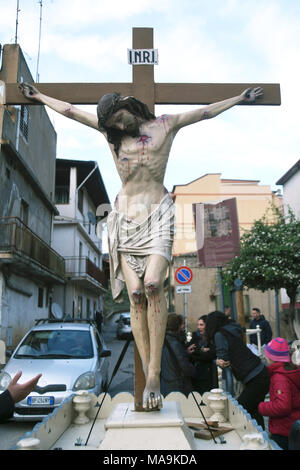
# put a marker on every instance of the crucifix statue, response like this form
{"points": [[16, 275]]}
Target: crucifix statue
{"points": [[141, 226]]}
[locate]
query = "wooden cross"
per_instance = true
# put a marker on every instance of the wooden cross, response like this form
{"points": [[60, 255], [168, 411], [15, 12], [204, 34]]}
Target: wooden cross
{"points": [[145, 89]]}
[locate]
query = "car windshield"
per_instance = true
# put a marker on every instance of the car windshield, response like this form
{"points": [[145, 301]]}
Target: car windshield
{"points": [[56, 344]]}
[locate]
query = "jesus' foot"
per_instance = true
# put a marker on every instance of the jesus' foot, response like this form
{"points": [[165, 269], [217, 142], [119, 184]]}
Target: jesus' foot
{"points": [[152, 399]]}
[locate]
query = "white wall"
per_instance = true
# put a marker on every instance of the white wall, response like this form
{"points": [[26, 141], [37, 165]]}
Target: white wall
{"points": [[291, 194], [64, 239], [19, 310]]}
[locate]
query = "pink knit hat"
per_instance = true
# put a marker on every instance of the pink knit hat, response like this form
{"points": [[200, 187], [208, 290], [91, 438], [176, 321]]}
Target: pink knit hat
{"points": [[278, 350]]}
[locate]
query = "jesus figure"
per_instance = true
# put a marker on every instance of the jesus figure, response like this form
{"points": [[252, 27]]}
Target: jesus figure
{"points": [[141, 226]]}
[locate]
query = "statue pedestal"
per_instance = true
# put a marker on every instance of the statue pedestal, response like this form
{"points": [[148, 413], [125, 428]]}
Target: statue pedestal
{"points": [[127, 429]]}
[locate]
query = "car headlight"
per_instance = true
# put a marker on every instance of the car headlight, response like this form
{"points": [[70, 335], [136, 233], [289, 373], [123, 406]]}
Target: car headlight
{"points": [[5, 379], [85, 381]]}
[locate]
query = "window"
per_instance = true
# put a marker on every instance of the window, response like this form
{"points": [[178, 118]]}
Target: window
{"points": [[41, 297], [47, 297], [62, 185], [62, 195], [80, 200], [81, 260], [24, 121], [88, 308], [79, 308], [24, 211], [60, 343]]}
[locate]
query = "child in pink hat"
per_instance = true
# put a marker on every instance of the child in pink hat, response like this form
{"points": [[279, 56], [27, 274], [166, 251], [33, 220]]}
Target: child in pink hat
{"points": [[284, 405]]}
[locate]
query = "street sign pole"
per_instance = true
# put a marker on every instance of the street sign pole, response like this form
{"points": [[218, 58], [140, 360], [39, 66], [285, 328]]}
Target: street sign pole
{"points": [[183, 276], [184, 312], [184, 309]]}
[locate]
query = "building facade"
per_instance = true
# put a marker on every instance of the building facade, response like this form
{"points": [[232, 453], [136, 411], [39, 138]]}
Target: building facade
{"points": [[29, 267], [83, 205], [252, 201]]}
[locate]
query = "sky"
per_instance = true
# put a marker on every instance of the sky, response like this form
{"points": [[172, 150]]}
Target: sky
{"points": [[215, 41]]}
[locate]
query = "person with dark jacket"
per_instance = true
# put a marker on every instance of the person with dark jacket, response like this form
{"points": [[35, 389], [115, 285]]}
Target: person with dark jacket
{"points": [[203, 357], [266, 331], [99, 320], [283, 409], [245, 365], [14, 393], [176, 368]]}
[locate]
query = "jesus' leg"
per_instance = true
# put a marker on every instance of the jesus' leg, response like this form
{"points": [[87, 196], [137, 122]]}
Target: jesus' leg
{"points": [[138, 313], [157, 313]]}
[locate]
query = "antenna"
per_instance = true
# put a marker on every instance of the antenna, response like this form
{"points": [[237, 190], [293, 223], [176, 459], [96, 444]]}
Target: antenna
{"points": [[39, 47], [17, 22]]}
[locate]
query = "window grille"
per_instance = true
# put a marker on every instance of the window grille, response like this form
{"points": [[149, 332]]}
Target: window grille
{"points": [[24, 121]]}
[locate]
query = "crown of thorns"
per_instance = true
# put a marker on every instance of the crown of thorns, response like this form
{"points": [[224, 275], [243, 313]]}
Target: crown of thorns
{"points": [[112, 102]]}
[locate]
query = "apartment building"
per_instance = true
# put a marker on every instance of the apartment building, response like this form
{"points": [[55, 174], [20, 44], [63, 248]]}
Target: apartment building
{"points": [[83, 205], [29, 267]]}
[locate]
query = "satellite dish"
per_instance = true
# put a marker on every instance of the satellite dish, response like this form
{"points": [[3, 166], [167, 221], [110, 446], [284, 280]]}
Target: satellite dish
{"points": [[56, 311], [92, 218]]}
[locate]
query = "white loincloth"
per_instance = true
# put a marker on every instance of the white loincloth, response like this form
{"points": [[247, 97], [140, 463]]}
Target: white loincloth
{"points": [[139, 240]]}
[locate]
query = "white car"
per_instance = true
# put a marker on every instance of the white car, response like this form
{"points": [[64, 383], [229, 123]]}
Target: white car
{"points": [[71, 357], [123, 327]]}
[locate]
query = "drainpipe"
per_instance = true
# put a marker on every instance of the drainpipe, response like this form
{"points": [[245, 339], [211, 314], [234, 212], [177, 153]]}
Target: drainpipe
{"points": [[77, 189]]}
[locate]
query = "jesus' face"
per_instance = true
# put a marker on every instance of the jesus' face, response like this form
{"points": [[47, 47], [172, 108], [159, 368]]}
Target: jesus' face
{"points": [[125, 121]]}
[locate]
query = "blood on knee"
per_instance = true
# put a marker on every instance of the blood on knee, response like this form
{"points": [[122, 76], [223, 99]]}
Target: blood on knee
{"points": [[152, 287], [137, 296]]}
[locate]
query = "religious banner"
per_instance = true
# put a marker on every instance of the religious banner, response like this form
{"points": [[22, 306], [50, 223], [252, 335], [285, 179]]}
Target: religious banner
{"points": [[217, 232]]}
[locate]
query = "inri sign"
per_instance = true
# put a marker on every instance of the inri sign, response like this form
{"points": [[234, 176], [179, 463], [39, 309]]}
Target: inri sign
{"points": [[142, 56]]}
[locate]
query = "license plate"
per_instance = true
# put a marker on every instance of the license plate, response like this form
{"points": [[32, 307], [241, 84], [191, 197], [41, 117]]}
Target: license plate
{"points": [[35, 401]]}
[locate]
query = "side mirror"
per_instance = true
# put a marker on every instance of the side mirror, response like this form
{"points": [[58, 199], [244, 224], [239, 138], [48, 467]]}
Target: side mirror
{"points": [[105, 353]]}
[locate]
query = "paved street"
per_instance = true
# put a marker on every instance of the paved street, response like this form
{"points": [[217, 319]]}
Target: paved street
{"points": [[124, 379], [11, 432]]}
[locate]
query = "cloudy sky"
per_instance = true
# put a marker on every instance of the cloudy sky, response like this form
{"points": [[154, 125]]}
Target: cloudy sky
{"points": [[217, 41]]}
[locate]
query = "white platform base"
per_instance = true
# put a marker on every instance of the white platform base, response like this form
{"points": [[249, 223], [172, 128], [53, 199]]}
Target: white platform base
{"points": [[127, 429]]}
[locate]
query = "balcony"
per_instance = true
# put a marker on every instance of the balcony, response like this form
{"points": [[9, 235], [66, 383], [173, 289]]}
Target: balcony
{"points": [[27, 254], [82, 270]]}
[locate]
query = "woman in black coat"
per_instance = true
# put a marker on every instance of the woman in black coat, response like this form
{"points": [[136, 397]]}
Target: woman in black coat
{"points": [[245, 366], [203, 357], [176, 368]]}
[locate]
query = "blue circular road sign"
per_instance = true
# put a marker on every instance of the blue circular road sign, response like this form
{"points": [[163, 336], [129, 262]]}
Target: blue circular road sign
{"points": [[184, 275]]}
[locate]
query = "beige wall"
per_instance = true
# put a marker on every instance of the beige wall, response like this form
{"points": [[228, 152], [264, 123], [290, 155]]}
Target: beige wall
{"points": [[253, 200]]}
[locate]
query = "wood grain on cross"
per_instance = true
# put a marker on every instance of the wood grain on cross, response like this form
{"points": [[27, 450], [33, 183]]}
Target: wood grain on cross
{"points": [[145, 89]]}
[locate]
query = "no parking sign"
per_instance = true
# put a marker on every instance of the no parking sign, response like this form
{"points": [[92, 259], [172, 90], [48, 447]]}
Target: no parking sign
{"points": [[183, 275]]}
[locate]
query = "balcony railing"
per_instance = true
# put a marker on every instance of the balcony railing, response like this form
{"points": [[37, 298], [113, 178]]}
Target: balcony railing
{"points": [[17, 239], [82, 266]]}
